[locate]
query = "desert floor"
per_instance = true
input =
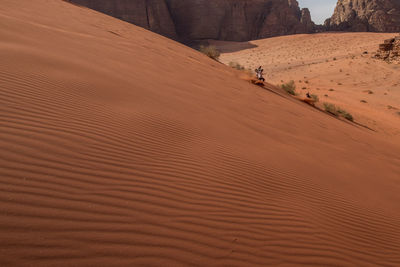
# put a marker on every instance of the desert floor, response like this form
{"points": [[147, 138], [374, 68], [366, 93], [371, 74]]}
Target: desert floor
{"points": [[337, 67], [119, 147]]}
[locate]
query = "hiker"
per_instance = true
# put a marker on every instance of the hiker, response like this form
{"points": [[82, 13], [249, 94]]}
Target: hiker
{"points": [[308, 95], [259, 72]]}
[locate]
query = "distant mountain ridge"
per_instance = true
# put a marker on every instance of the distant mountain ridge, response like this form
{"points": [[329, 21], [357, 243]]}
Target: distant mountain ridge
{"points": [[193, 20], [365, 16]]}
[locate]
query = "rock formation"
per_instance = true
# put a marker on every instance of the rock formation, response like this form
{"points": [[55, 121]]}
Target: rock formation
{"points": [[365, 15], [390, 50], [193, 20]]}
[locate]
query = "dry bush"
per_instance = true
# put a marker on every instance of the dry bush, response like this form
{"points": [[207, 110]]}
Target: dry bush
{"points": [[337, 111], [289, 87], [315, 98], [236, 65], [210, 51]]}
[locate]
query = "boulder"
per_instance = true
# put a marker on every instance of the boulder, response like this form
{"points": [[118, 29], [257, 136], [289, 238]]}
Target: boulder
{"points": [[389, 50]]}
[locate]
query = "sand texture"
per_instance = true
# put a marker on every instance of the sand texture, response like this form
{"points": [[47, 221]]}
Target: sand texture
{"points": [[119, 147], [338, 67]]}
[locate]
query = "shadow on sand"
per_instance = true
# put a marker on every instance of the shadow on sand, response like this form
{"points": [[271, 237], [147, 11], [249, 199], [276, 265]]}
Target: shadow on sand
{"points": [[223, 46], [230, 47]]}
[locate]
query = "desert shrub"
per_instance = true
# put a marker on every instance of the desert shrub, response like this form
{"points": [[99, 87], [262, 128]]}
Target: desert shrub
{"points": [[210, 51], [289, 87], [391, 107], [236, 65], [315, 97], [369, 92], [363, 101], [345, 114], [330, 108], [337, 111]]}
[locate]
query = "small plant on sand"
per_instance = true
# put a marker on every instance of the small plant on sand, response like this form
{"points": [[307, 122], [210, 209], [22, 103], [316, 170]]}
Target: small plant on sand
{"points": [[391, 107], [236, 65], [210, 51], [289, 87], [370, 92], [363, 101], [345, 114], [330, 108], [315, 97], [337, 111]]}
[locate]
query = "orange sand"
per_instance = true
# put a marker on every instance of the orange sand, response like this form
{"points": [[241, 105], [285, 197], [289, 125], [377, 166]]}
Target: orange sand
{"points": [[123, 148], [334, 67]]}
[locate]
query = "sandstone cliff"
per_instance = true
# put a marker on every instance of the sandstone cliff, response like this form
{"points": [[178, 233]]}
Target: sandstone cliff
{"points": [[390, 50], [365, 15], [192, 20]]}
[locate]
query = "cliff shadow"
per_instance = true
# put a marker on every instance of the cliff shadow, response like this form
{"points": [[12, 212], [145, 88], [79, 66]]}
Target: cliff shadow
{"points": [[224, 46]]}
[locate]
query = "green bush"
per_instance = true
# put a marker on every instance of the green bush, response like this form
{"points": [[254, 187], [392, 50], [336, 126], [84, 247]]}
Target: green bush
{"points": [[289, 87], [210, 51]]}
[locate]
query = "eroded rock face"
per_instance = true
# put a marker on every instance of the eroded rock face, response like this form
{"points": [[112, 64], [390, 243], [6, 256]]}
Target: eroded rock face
{"points": [[193, 20], [149, 14], [365, 15], [390, 50]]}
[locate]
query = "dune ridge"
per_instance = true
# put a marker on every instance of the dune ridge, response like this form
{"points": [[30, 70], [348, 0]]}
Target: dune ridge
{"points": [[339, 67], [121, 147]]}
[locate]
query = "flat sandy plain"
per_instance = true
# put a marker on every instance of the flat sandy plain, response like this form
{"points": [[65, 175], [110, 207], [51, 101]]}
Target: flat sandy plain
{"points": [[120, 147]]}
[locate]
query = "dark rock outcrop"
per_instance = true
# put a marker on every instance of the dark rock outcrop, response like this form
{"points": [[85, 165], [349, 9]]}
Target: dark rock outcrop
{"points": [[365, 16], [389, 50], [193, 20]]}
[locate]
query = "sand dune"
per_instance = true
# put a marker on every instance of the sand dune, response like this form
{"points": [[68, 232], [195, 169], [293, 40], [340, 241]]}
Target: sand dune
{"points": [[123, 148], [338, 67]]}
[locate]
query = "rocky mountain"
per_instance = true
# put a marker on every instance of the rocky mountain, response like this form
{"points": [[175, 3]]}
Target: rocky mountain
{"points": [[365, 15], [193, 20]]}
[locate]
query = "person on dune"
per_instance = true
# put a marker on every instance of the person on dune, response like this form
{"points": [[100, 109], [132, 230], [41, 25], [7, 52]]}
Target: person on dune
{"points": [[259, 73]]}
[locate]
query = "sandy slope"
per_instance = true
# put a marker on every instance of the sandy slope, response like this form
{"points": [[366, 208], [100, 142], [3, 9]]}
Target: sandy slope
{"points": [[334, 67], [120, 147]]}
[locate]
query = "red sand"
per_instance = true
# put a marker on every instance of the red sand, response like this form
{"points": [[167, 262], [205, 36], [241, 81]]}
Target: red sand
{"points": [[121, 147]]}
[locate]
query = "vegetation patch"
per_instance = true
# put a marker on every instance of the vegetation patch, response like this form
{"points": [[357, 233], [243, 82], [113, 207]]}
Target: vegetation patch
{"points": [[369, 92], [337, 111], [315, 98], [289, 87], [210, 51], [236, 65]]}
